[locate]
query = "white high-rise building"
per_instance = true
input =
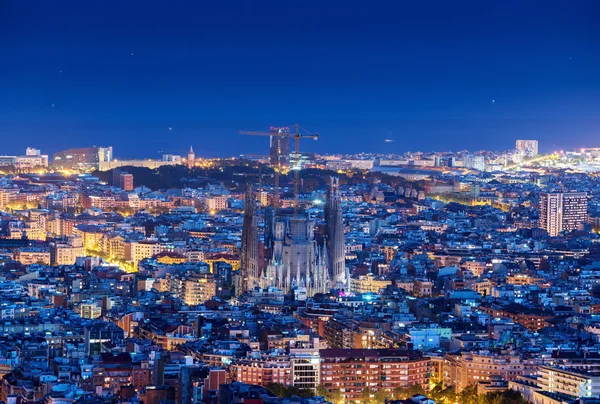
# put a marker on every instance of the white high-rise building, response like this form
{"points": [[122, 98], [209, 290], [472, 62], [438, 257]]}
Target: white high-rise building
{"points": [[562, 211], [528, 147]]}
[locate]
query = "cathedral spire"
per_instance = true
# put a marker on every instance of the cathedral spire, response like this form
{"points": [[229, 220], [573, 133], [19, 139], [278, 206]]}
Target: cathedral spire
{"points": [[249, 257], [336, 254]]}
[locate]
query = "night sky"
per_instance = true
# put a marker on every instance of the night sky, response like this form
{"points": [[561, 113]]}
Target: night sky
{"points": [[430, 75]]}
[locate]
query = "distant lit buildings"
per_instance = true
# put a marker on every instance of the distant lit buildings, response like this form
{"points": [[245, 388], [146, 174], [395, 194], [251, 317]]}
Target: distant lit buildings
{"points": [[528, 147], [173, 158], [33, 158], [148, 163], [562, 211], [474, 162], [85, 158]]}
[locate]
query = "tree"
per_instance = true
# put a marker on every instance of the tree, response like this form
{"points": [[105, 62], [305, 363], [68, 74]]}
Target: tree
{"points": [[442, 394], [382, 395], [398, 393], [508, 397], [335, 396], [492, 398], [282, 391], [468, 395], [321, 391], [277, 389], [367, 396]]}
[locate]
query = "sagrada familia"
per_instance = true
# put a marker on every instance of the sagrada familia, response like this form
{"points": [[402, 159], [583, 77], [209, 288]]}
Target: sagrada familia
{"points": [[294, 258]]}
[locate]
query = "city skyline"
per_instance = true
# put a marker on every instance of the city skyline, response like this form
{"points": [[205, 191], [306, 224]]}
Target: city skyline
{"points": [[196, 74], [285, 202]]}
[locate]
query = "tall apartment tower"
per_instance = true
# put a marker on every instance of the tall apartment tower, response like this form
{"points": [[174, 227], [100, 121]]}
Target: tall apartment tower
{"points": [[335, 233], [191, 158], [123, 180], [528, 147], [279, 150], [249, 257], [562, 211]]}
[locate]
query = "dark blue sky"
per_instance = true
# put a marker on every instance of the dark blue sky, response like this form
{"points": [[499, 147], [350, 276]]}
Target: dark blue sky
{"points": [[424, 73]]}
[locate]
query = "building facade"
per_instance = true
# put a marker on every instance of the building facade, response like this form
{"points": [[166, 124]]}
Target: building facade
{"points": [[527, 147], [353, 370], [560, 212]]}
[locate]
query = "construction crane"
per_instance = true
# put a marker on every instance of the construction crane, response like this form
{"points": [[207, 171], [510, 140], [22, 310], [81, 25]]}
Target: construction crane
{"points": [[280, 132], [285, 134]]}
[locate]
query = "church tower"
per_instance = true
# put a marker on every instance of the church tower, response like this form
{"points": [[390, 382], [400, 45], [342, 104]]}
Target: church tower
{"points": [[191, 158], [249, 257], [335, 234]]}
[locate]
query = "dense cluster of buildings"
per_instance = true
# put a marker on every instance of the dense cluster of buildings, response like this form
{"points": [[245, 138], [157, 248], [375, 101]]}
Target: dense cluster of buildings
{"points": [[381, 288]]}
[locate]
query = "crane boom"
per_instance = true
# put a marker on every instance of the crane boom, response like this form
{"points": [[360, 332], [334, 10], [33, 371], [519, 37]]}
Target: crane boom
{"points": [[254, 133]]}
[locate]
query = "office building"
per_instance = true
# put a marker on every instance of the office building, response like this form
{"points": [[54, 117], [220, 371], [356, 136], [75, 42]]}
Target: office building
{"points": [[560, 212], [528, 147]]}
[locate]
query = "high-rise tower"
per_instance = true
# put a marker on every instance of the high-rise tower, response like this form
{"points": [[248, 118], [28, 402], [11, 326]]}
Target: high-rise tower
{"points": [[249, 259], [191, 158], [527, 147], [335, 234], [562, 211]]}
